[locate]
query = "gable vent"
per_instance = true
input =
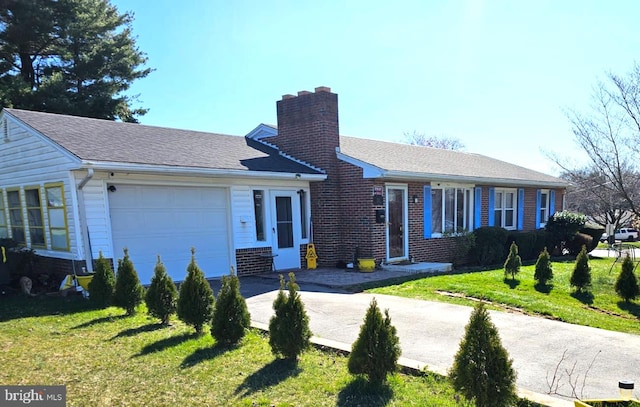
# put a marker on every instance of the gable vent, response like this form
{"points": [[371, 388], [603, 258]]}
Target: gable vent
{"points": [[5, 130]]}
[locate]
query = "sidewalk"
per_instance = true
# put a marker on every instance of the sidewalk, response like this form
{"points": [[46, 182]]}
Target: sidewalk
{"points": [[430, 333]]}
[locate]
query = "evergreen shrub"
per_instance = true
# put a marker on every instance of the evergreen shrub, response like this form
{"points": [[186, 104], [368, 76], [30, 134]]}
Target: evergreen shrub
{"points": [[627, 283], [162, 294], [482, 371], [103, 283], [289, 333], [231, 317], [376, 351], [581, 276], [489, 248], [195, 298], [128, 293]]}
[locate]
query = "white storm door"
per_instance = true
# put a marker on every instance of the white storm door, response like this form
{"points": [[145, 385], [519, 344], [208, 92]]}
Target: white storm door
{"points": [[285, 229]]}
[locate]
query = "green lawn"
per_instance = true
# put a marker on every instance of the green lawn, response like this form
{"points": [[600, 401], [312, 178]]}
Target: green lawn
{"points": [[600, 307], [106, 359]]}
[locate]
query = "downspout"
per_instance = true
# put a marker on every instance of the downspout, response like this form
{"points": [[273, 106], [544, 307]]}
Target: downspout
{"points": [[84, 228]]}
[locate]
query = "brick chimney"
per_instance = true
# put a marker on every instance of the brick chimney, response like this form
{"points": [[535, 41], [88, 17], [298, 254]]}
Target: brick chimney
{"points": [[308, 127], [308, 131]]}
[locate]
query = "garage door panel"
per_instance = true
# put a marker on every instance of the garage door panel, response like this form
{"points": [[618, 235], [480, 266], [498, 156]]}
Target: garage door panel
{"points": [[169, 221]]}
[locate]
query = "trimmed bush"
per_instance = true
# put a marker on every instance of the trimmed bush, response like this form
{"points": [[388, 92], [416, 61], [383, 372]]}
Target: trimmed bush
{"points": [[376, 351], [627, 284], [544, 270], [482, 370], [581, 276], [526, 242], [231, 317], [563, 226], [595, 231], [513, 262], [579, 240], [489, 246], [103, 283], [129, 292], [289, 333], [162, 295], [195, 301]]}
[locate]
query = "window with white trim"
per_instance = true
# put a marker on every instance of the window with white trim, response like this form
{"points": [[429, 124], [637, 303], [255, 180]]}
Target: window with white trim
{"points": [[451, 210], [543, 210], [505, 208], [258, 210]]}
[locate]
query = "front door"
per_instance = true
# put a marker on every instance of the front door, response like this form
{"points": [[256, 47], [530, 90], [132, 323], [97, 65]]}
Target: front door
{"points": [[397, 248], [286, 229]]}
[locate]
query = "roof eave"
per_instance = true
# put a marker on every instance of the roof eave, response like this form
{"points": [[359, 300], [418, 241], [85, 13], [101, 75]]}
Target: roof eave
{"points": [[198, 171], [471, 179]]}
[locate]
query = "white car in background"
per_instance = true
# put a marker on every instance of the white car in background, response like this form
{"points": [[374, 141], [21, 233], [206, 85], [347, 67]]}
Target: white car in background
{"points": [[623, 234]]}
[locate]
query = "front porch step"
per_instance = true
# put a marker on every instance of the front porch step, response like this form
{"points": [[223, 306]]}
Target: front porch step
{"points": [[422, 268]]}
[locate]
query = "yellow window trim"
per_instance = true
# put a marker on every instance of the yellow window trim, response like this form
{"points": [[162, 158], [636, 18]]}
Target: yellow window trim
{"points": [[64, 209]]}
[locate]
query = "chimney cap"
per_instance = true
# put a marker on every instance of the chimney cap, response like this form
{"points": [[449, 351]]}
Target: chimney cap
{"points": [[287, 96], [303, 92], [323, 89]]}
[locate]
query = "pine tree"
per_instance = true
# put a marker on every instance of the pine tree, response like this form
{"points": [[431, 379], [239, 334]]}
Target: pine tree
{"points": [[129, 292], [513, 262], [289, 333], [376, 351], [195, 301], [627, 283], [230, 315], [482, 370], [162, 294], [103, 283], [544, 269], [581, 276]]}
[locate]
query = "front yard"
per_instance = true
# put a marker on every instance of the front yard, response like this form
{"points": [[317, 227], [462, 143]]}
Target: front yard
{"points": [[106, 359], [599, 307]]}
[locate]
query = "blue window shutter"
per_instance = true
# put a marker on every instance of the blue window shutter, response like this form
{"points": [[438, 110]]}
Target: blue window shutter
{"points": [[492, 206], [520, 208], [552, 202], [427, 211], [538, 203], [477, 212]]}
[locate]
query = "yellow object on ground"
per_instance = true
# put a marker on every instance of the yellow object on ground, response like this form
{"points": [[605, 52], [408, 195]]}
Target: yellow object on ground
{"points": [[83, 281], [311, 256], [367, 265]]}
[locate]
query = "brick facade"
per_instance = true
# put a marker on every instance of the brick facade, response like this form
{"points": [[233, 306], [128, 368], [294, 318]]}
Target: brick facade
{"points": [[342, 208]]}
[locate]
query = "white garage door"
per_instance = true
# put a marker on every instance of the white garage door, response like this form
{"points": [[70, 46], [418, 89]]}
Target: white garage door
{"points": [[169, 221]]}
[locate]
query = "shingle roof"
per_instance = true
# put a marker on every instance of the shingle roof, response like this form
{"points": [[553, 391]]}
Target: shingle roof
{"points": [[109, 141], [409, 159]]}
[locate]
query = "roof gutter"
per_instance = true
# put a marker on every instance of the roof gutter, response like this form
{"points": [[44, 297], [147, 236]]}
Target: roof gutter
{"points": [[469, 179], [197, 171]]}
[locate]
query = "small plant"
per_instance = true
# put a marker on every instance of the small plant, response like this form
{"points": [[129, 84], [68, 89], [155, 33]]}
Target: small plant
{"points": [[513, 262], [627, 284], [581, 276], [103, 283], [161, 295], [482, 370], [195, 301], [289, 332], [544, 270], [376, 351], [230, 315], [129, 292]]}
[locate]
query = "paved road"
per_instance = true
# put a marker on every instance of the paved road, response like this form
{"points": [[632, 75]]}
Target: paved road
{"points": [[430, 333]]}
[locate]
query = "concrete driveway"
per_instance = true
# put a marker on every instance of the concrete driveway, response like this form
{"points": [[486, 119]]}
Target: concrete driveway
{"points": [[586, 362]]}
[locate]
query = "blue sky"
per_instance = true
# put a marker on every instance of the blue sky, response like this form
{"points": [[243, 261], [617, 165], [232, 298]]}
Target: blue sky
{"points": [[498, 75]]}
